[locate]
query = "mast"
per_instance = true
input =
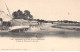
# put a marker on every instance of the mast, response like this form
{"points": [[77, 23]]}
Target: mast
{"points": [[8, 10]]}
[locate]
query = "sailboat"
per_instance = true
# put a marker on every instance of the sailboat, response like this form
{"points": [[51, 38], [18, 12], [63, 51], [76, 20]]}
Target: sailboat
{"points": [[10, 27]]}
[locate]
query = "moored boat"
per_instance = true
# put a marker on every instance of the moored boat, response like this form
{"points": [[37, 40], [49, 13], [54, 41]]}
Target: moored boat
{"points": [[18, 28]]}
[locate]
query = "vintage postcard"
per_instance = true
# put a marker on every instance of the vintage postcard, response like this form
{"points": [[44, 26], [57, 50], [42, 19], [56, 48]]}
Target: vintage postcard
{"points": [[39, 25]]}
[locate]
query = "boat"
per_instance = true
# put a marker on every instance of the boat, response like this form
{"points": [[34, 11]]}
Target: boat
{"points": [[18, 28]]}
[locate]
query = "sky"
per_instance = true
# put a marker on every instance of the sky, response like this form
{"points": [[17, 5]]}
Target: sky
{"points": [[46, 9]]}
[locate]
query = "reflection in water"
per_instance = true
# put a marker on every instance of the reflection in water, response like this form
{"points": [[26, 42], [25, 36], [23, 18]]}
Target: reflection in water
{"points": [[54, 39], [43, 33]]}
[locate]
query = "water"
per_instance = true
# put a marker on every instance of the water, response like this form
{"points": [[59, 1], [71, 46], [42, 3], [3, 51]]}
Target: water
{"points": [[44, 33], [54, 40]]}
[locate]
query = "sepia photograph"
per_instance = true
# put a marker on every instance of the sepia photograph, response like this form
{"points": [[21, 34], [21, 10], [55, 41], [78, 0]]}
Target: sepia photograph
{"points": [[39, 25]]}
